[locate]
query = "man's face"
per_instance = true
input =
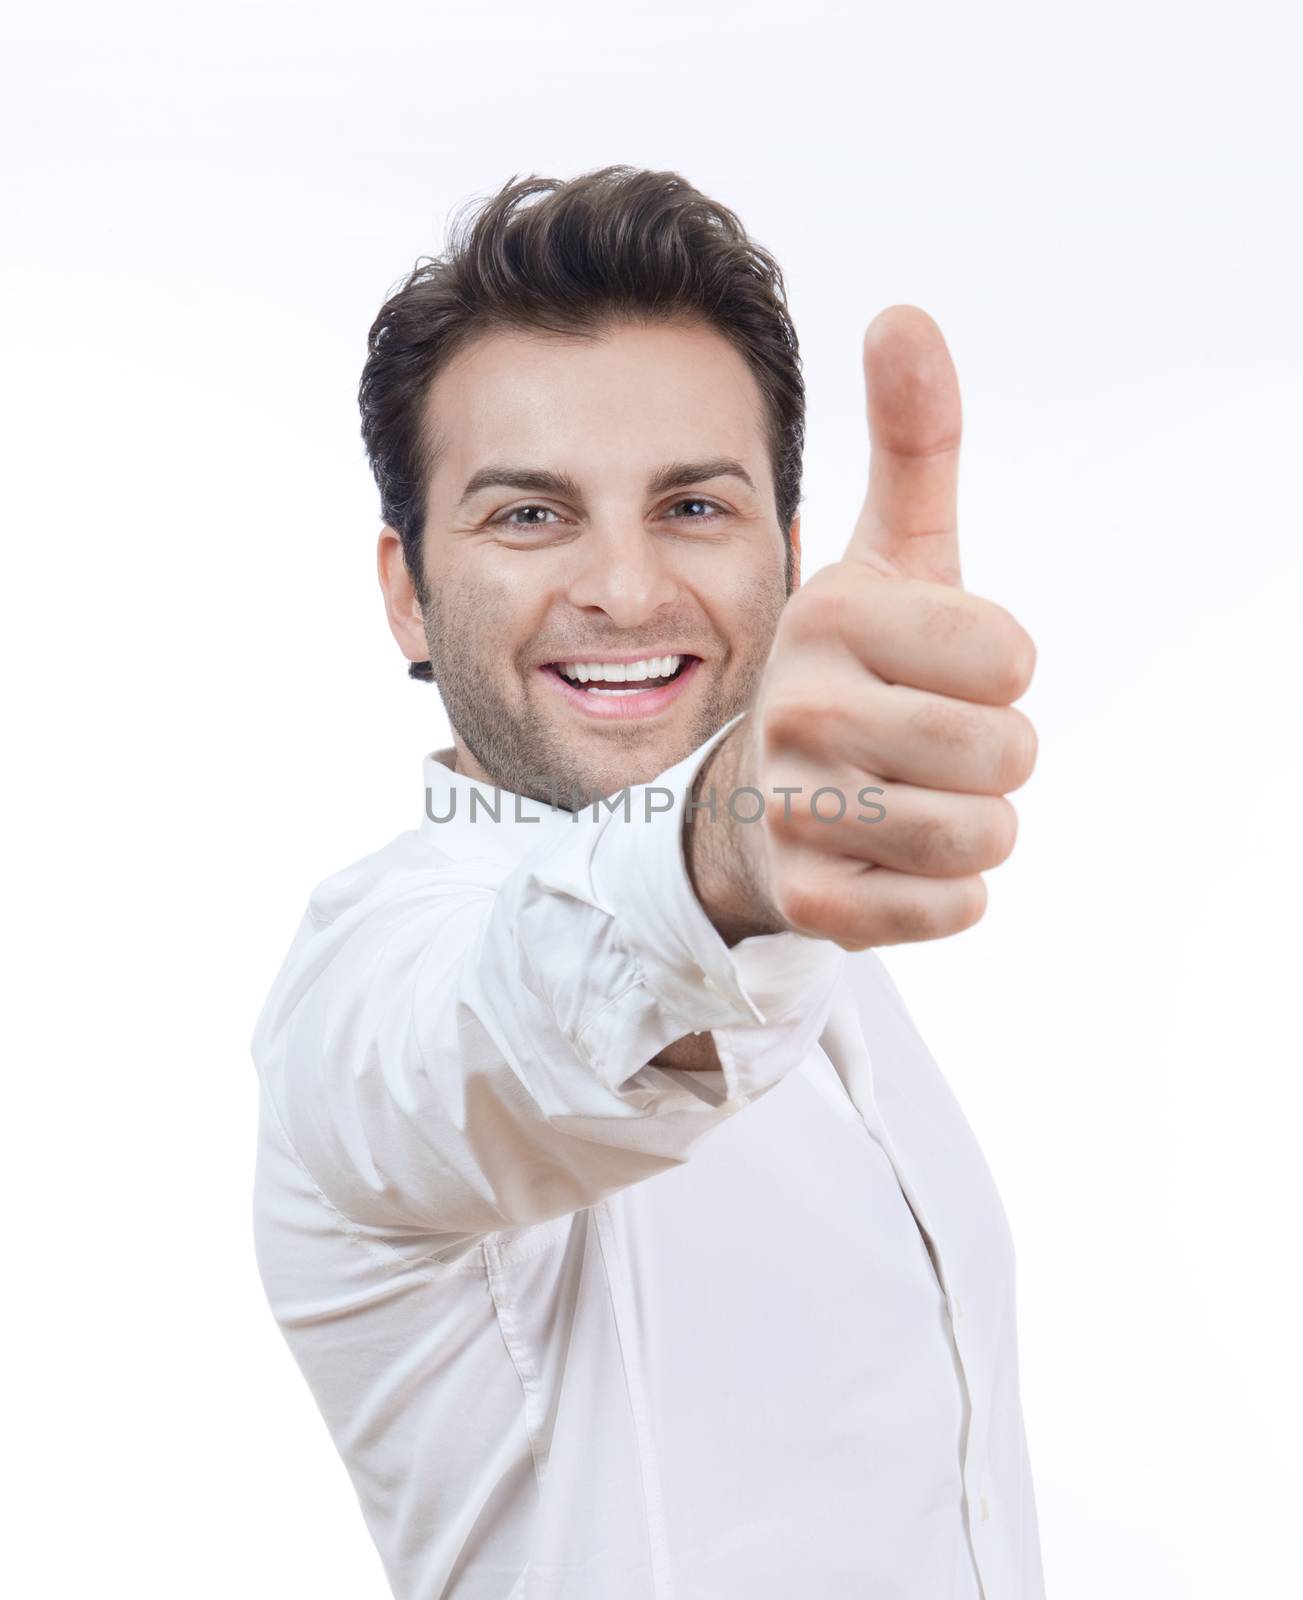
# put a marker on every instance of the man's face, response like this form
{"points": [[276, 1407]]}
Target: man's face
{"points": [[597, 504]]}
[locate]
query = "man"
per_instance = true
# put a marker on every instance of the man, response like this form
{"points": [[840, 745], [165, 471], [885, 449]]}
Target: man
{"points": [[618, 1217]]}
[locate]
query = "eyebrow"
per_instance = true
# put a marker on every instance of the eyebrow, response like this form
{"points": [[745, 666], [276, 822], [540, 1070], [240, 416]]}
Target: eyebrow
{"points": [[540, 480]]}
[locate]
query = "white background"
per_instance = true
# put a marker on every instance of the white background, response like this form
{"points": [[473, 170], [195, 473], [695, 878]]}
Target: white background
{"points": [[207, 715]]}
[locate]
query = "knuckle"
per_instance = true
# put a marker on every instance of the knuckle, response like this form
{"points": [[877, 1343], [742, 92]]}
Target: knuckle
{"points": [[908, 921], [914, 919], [945, 723], [797, 722], [801, 906], [932, 845], [833, 906], [940, 614], [778, 724], [785, 825], [818, 608], [982, 836]]}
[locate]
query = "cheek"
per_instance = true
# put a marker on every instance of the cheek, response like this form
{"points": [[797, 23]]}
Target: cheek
{"points": [[745, 605], [517, 598], [496, 609]]}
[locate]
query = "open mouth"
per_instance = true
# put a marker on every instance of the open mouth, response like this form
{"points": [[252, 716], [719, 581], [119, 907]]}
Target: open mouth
{"points": [[622, 688], [622, 677]]}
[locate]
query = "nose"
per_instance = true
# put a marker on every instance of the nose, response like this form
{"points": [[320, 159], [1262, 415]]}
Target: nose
{"points": [[623, 570]]}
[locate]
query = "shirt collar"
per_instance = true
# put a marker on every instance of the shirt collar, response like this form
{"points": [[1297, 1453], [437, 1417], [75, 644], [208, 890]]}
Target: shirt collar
{"points": [[470, 820]]}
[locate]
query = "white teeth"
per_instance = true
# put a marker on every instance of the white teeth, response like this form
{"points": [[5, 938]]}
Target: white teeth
{"points": [[619, 671]]}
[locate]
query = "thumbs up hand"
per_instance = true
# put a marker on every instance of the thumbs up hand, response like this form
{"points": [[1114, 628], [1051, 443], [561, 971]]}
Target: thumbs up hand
{"points": [[888, 685]]}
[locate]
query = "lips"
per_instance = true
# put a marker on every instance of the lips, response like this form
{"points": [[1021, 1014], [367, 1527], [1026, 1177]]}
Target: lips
{"points": [[624, 697]]}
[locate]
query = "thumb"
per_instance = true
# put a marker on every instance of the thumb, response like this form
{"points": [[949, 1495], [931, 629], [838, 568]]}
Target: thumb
{"points": [[910, 514]]}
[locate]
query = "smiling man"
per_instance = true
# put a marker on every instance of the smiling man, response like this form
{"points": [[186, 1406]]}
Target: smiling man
{"points": [[618, 1217], [660, 565]]}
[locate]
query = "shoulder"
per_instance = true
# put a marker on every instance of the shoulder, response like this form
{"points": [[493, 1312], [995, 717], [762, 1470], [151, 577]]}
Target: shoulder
{"points": [[369, 928], [410, 868]]}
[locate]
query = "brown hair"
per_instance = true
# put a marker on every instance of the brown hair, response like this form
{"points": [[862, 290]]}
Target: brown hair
{"points": [[618, 242]]}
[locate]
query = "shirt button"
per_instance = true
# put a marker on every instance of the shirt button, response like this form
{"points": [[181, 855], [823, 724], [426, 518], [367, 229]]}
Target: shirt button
{"points": [[986, 1510], [959, 1309], [709, 982]]}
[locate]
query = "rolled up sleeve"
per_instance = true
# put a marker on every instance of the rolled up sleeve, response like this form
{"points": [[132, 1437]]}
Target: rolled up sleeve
{"points": [[467, 1049], [765, 1000]]}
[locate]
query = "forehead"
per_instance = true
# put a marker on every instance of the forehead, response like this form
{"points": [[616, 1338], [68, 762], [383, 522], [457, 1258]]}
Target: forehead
{"points": [[605, 407]]}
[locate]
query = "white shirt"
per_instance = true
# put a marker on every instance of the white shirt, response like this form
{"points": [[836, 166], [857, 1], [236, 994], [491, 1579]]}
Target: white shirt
{"points": [[588, 1329]]}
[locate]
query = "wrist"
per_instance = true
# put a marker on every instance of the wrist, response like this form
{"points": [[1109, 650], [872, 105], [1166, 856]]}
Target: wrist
{"points": [[725, 858]]}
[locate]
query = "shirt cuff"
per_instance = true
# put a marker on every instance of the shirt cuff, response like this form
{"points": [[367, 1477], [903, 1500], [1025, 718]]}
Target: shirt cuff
{"points": [[764, 1000]]}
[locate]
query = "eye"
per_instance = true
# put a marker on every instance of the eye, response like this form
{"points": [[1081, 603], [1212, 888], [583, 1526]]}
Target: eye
{"points": [[696, 500], [502, 519]]}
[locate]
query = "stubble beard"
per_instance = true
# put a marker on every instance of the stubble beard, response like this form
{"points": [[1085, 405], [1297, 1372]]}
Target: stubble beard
{"points": [[526, 756]]}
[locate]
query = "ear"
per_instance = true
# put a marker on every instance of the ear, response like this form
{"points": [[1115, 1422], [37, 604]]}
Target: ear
{"points": [[401, 605], [796, 552]]}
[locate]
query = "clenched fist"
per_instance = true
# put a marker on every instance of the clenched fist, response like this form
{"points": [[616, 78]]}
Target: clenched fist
{"points": [[887, 685]]}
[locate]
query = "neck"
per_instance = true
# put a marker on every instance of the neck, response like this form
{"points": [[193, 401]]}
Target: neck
{"points": [[461, 760]]}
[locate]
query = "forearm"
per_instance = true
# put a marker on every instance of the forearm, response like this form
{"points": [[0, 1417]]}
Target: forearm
{"points": [[723, 871], [724, 856]]}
